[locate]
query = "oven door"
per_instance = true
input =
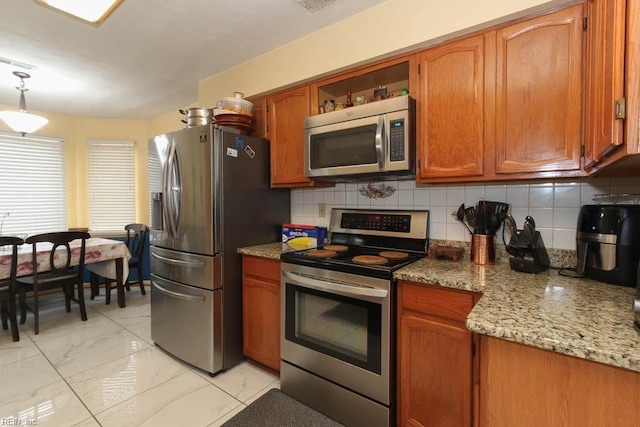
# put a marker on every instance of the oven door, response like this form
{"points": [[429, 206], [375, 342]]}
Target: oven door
{"points": [[338, 326]]}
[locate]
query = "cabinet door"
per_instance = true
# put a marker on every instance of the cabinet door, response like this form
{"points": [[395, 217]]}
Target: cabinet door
{"points": [[451, 110], [261, 310], [539, 93], [605, 78], [287, 111], [434, 369], [261, 321], [530, 387]]}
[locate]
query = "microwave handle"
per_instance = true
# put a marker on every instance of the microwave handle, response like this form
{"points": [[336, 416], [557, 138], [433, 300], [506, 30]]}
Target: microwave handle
{"points": [[379, 141]]}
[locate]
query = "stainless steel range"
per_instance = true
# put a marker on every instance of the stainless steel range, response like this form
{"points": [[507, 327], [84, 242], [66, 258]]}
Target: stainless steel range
{"points": [[338, 311]]}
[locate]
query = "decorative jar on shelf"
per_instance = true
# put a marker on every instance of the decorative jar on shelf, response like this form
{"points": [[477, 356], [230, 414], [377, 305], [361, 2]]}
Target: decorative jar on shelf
{"points": [[329, 105]]}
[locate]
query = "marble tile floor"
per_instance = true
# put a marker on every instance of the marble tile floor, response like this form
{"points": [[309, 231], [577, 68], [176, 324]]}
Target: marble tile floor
{"points": [[108, 372]]}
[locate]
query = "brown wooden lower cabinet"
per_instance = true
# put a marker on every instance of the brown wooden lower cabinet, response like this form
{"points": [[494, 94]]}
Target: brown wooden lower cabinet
{"points": [[436, 361], [527, 386], [261, 310]]}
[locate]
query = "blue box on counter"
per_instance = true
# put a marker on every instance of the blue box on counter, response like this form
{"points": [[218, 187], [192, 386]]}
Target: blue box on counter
{"points": [[303, 236]]}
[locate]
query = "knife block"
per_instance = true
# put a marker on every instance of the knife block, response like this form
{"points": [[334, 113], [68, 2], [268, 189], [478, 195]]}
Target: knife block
{"points": [[526, 256]]}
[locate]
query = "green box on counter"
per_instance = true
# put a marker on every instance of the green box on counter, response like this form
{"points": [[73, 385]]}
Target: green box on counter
{"points": [[303, 236]]}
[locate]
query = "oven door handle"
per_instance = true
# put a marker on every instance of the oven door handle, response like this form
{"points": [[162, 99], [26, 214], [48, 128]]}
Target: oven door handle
{"points": [[345, 290]]}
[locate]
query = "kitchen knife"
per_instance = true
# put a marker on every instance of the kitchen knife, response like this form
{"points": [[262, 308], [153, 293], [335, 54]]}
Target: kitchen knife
{"points": [[530, 220], [529, 233], [510, 225]]}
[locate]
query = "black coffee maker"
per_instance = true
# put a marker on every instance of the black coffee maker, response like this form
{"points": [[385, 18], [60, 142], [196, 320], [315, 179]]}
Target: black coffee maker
{"points": [[608, 243], [526, 248]]}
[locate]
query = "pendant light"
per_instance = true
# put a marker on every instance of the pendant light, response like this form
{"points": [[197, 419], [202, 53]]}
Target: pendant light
{"points": [[21, 121]]}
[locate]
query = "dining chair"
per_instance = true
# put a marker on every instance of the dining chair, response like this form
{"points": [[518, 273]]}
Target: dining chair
{"points": [[60, 274], [136, 242], [8, 287]]}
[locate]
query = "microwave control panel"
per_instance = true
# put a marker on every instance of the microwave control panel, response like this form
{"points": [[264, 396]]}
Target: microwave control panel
{"points": [[396, 140]]}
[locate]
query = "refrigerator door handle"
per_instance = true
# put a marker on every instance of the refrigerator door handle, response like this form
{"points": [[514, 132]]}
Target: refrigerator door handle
{"points": [[176, 190], [173, 181], [177, 294], [167, 211], [177, 261]]}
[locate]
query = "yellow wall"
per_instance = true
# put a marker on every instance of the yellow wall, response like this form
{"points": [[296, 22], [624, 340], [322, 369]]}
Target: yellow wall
{"points": [[389, 28], [392, 27]]}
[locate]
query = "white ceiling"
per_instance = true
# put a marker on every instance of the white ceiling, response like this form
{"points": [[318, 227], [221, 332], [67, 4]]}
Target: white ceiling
{"points": [[146, 59]]}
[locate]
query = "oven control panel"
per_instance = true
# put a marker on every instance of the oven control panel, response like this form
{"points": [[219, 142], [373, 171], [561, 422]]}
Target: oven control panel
{"points": [[378, 222]]}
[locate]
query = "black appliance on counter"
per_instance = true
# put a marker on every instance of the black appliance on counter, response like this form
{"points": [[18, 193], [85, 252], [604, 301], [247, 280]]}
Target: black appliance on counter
{"points": [[608, 243], [526, 248]]}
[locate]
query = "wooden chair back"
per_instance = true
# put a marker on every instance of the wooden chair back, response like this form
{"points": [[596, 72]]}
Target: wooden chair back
{"points": [[59, 240], [136, 239]]}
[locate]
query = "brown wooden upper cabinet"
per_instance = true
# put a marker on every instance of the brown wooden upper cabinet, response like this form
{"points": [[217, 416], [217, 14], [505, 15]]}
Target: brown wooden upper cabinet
{"points": [[613, 85], [286, 112], [451, 109], [505, 104]]}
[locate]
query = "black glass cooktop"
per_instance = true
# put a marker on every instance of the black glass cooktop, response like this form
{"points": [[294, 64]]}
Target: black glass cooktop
{"points": [[379, 262]]}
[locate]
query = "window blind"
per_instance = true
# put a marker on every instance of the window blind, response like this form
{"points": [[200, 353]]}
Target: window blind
{"points": [[154, 166], [112, 201], [33, 186]]}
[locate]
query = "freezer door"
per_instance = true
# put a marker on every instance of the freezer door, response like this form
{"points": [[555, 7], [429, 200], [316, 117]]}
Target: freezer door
{"points": [[183, 267], [187, 322], [189, 188]]}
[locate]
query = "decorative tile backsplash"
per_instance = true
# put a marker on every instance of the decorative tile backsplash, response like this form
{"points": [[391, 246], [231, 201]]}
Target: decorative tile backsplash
{"points": [[554, 205]]}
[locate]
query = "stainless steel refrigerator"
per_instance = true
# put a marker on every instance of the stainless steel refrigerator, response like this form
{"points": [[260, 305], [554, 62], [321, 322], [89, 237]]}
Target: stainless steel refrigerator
{"points": [[210, 195]]}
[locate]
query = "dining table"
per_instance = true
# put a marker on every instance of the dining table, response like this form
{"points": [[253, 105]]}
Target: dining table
{"points": [[105, 257]]}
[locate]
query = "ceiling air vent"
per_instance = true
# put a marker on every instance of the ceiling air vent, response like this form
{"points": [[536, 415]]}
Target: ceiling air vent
{"points": [[16, 63], [314, 5]]}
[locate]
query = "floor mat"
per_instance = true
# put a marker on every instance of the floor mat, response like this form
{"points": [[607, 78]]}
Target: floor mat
{"points": [[276, 409]]}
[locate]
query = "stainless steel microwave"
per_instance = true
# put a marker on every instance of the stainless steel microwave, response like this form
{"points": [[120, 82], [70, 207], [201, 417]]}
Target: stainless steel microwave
{"points": [[375, 140]]}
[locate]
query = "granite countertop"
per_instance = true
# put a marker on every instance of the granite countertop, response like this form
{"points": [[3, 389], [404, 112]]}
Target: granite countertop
{"points": [[269, 250], [577, 317]]}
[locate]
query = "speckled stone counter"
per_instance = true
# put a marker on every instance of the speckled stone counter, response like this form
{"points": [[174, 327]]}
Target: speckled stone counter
{"points": [[269, 250], [577, 317]]}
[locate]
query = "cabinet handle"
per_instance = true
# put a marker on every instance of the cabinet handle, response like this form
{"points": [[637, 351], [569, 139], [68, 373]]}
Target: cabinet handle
{"points": [[621, 108]]}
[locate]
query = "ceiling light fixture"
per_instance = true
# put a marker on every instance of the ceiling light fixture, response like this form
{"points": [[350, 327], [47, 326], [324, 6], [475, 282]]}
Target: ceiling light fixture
{"points": [[92, 11], [21, 121]]}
